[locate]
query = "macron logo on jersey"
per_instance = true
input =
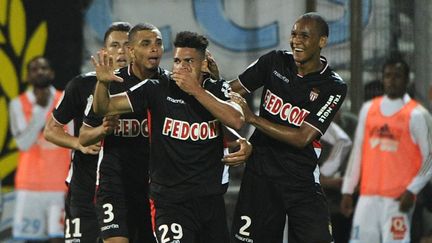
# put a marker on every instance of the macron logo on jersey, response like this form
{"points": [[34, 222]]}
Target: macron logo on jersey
{"points": [[328, 107], [280, 76], [286, 111], [196, 131]]}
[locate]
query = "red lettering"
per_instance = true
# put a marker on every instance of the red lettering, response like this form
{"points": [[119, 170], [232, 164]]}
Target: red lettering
{"points": [[144, 128], [175, 130], [300, 118], [135, 128], [204, 130], [212, 129], [270, 102], [285, 111], [276, 106], [194, 134], [294, 113], [167, 126], [184, 131]]}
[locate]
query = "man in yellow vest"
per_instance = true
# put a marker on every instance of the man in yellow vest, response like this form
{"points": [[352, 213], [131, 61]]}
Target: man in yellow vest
{"points": [[391, 158], [42, 166]]}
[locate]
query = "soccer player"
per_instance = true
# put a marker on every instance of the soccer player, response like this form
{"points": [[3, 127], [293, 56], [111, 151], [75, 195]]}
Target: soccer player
{"points": [[122, 197], [301, 95], [81, 221], [42, 166], [187, 177], [392, 151]]}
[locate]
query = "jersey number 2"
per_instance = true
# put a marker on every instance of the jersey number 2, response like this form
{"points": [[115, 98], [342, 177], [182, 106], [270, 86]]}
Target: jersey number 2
{"points": [[243, 229]]}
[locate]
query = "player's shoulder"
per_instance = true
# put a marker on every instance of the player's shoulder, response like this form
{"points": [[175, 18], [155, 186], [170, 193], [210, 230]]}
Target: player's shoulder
{"points": [[84, 78], [332, 79], [278, 54], [83, 81]]}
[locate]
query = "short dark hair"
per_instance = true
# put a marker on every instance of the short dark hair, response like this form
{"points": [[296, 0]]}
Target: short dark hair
{"points": [[140, 27], [39, 57], [191, 40], [393, 60], [319, 20], [117, 26]]}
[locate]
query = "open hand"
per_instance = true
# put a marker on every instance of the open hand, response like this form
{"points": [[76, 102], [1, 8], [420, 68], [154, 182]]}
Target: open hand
{"points": [[110, 123], [104, 67], [346, 205], [212, 67], [238, 99], [187, 80], [91, 149], [406, 201], [241, 155]]}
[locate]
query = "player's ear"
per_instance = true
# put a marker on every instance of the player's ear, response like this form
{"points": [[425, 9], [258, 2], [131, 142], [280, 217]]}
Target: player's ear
{"points": [[323, 41], [131, 52]]}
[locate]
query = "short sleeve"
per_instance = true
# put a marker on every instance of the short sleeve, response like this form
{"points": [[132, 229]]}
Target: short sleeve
{"points": [[322, 113], [255, 75], [68, 106]]}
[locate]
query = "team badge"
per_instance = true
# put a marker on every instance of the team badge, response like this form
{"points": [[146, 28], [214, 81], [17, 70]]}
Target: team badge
{"points": [[313, 94]]}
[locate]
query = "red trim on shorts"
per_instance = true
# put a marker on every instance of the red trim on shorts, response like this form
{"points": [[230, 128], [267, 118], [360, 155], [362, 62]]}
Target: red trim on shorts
{"points": [[153, 215]]}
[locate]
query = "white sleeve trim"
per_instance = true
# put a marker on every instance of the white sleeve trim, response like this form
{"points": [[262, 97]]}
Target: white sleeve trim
{"points": [[314, 127], [53, 117], [244, 87]]}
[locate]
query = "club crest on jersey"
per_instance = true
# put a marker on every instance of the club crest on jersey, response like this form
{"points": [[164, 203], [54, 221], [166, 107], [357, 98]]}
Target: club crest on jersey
{"points": [[184, 130], [286, 111], [314, 94]]}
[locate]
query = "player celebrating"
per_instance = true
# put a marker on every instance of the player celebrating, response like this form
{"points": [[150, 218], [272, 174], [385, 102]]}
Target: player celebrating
{"points": [[81, 221]]}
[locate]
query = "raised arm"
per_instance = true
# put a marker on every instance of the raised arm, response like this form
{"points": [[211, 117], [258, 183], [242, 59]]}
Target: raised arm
{"points": [[103, 103]]}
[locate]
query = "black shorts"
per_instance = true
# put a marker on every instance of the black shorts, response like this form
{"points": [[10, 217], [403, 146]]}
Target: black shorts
{"points": [[262, 208], [81, 223], [123, 211], [198, 220]]}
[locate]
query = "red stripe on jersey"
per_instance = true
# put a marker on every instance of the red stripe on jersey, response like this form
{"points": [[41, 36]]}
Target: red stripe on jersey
{"points": [[153, 215], [94, 196], [316, 143], [149, 124]]}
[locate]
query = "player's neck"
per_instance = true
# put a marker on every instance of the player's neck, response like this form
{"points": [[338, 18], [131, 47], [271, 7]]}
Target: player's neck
{"points": [[143, 73], [310, 66]]}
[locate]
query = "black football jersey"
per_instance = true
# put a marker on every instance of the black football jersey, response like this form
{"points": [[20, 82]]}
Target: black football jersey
{"points": [[126, 150], [78, 92], [186, 139], [290, 99]]}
